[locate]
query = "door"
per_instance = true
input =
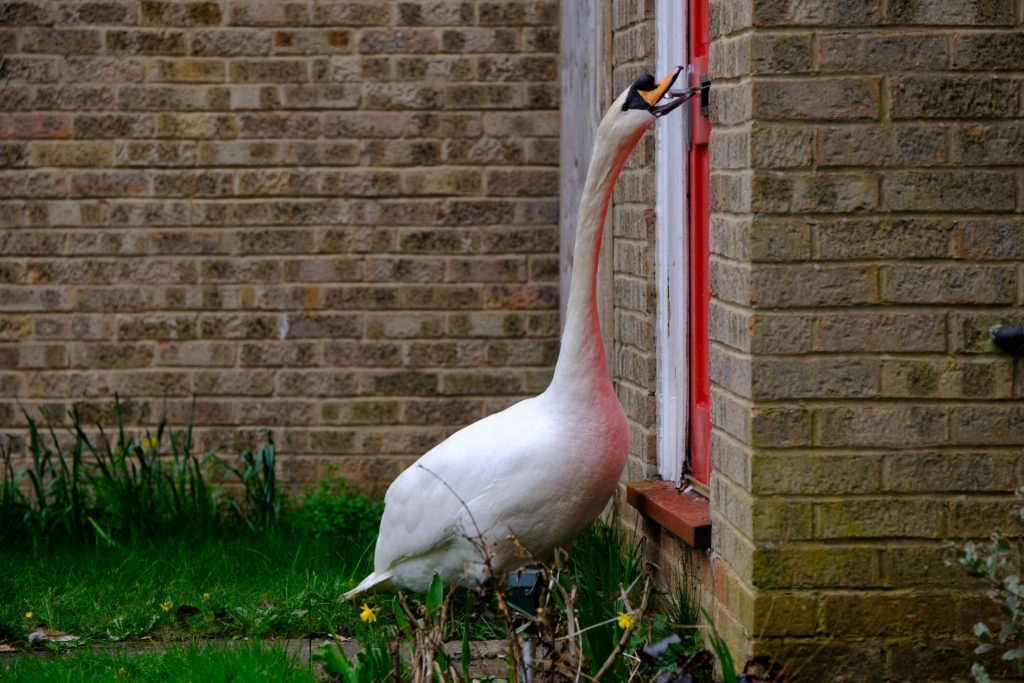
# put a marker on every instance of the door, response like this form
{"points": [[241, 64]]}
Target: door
{"points": [[682, 252]]}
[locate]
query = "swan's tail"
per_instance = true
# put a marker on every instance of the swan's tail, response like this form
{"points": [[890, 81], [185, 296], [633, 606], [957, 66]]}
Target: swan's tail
{"points": [[369, 583]]}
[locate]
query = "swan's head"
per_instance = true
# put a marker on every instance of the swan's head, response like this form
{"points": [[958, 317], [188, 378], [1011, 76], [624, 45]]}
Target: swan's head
{"points": [[641, 104]]}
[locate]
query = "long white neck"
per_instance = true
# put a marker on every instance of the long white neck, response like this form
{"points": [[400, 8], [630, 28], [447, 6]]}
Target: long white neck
{"points": [[581, 370]]}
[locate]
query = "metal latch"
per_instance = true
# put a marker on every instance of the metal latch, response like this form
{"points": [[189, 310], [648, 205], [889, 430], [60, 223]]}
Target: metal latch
{"points": [[705, 95], [703, 89]]}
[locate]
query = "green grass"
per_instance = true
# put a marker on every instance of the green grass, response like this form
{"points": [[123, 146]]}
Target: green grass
{"points": [[270, 583], [211, 663]]}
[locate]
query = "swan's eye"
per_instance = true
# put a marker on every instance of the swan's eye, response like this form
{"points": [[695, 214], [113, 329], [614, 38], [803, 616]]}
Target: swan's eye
{"points": [[635, 100]]}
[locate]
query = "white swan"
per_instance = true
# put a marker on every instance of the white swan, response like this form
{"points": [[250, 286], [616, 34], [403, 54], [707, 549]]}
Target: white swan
{"points": [[528, 479]]}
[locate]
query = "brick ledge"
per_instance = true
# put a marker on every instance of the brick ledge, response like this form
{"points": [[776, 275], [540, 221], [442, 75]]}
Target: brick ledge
{"points": [[685, 514]]}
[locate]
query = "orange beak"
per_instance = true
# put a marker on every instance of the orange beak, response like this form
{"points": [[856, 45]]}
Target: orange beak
{"points": [[652, 96]]}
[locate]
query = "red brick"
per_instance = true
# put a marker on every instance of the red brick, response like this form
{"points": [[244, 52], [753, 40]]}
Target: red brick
{"points": [[106, 69], [296, 125], [827, 98], [145, 41], [117, 12], [268, 14], [159, 13], [230, 42], [61, 41], [42, 125], [109, 184], [345, 12]]}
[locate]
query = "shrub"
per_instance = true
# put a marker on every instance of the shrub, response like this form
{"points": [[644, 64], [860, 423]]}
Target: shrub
{"points": [[999, 563], [333, 508]]}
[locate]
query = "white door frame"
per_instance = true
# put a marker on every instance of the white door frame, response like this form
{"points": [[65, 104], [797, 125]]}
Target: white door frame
{"points": [[671, 262]]}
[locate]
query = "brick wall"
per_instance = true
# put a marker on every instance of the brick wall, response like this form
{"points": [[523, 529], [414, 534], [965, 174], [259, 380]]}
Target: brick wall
{"points": [[334, 219], [867, 189]]}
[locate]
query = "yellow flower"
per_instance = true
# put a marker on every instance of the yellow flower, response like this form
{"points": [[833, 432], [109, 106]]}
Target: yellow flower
{"points": [[121, 673], [206, 596], [150, 443], [625, 621], [368, 614], [28, 615], [166, 606]]}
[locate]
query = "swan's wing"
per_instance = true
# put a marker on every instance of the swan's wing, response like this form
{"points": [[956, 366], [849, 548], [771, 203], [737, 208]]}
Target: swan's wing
{"points": [[447, 498]]}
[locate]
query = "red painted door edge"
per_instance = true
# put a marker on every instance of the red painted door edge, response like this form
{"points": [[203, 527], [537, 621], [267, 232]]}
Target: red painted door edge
{"points": [[699, 40]]}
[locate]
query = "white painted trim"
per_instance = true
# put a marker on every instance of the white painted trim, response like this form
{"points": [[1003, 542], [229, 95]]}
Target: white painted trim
{"points": [[671, 263]]}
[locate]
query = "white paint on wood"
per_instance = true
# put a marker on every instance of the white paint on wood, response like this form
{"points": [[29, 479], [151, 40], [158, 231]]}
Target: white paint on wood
{"points": [[671, 264]]}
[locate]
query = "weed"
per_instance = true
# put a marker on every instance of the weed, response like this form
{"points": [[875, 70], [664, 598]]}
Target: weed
{"points": [[601, 562], [134, 487], [371, 664], [13, 504], [588, 619], [262, 499], [115, 537], [105, 487], [333, 509], [722, 652], [999, 564], [53, 501]]}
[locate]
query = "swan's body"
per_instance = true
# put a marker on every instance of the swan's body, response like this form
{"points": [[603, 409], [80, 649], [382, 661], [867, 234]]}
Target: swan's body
{"points": [[519, 483]]}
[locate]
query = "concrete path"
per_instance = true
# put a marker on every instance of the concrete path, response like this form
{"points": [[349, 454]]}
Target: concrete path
{"points": [[488, 656]]}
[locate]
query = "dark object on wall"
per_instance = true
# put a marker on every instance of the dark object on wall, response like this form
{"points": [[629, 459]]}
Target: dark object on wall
{"points": [[1009, 338]]}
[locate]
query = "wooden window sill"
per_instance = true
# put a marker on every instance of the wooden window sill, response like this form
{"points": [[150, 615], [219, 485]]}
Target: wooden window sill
{"points": [[685, 514]]}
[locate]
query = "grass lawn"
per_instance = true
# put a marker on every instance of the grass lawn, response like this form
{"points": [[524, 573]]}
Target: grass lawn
{"points": [[245, 584], [208, 663], [173, 590]]}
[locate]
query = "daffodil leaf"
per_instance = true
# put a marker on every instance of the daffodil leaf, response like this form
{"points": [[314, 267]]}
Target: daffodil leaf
{"points": [[400, 619], [435, 594]]}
